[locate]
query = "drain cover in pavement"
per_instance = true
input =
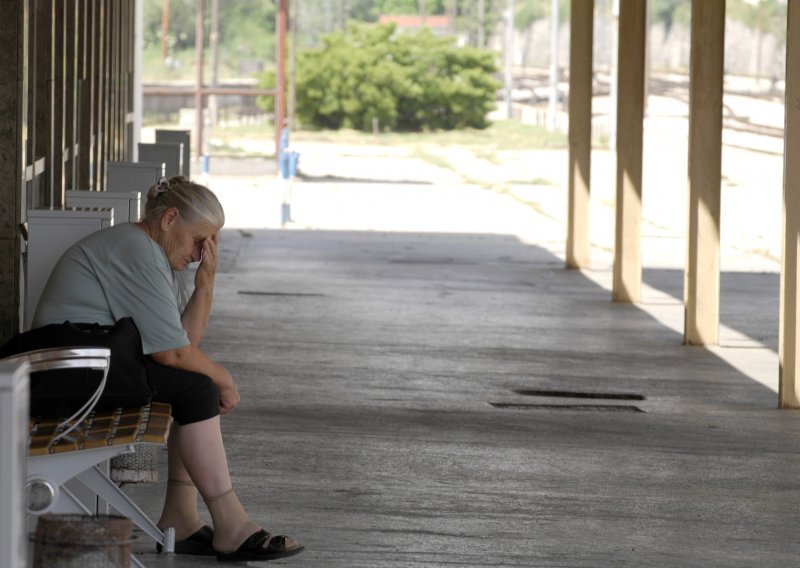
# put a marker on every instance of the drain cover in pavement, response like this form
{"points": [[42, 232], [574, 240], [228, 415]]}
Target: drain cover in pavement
{"points": [[581, 394], [574, 407], [282, 294]]}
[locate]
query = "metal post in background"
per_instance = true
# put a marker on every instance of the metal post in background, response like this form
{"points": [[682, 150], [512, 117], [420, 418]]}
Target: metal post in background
{"points": [[553, 101], [280, 75], [198, 94], [138, 99], [292, 93], [509, 57], [213, 40], [481, 23]]}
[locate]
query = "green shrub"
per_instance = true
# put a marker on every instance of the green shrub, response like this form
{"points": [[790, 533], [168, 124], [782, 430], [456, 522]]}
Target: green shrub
{"points": [[407, 82]]}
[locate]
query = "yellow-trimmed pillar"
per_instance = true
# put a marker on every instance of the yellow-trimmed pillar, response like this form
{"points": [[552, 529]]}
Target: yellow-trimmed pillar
{"points": [[580, 131], [788, 394], [705, 172], [630, 124]]}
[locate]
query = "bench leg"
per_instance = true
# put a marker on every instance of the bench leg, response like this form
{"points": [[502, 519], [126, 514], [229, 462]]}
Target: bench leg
{"points": [[108, 490], [68, 503]]}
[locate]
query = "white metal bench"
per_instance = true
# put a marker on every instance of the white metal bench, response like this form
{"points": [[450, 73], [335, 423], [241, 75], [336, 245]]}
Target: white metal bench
{"points": [[65, 455]]}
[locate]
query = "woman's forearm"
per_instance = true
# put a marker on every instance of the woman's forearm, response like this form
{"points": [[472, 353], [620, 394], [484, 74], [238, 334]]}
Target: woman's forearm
{"points": [[194, 318], [191, 358]]}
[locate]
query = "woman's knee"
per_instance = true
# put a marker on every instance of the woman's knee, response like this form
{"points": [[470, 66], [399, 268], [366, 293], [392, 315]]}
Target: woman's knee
{"points": [[198, 403]]}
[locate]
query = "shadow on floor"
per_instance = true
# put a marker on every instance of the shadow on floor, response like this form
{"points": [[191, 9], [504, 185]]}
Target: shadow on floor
{"points": [[368, 364], [749, 301]]}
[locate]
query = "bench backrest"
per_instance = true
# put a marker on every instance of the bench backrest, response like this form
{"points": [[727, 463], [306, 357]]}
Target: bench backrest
{"points": [[133, 176], [182, 137], [168, 153], [50, 234], [126, 206]]}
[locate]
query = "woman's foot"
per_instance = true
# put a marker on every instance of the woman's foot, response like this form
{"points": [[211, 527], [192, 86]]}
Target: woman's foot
{"points": [[180, 510], [237, 538], [228, 539], [262, 546], [199, 543]]}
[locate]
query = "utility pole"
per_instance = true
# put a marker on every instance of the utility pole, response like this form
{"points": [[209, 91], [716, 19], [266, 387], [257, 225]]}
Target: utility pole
{"points": [[213, 39], [292, 63], [165, 31], [280, 75], [612, 123], [198, 93], [481, 24], [509, 57], [452, 10], [553, 106]]}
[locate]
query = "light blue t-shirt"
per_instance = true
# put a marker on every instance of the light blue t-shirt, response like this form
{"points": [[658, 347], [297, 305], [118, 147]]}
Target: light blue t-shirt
{"points": [[111, 274]]}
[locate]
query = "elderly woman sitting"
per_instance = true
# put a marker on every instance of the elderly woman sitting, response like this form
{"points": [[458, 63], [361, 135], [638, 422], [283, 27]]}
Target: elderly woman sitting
{"points": [[127, 270]]}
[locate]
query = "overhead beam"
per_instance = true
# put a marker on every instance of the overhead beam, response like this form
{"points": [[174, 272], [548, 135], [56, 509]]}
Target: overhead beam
{"points": [[705, 172]]}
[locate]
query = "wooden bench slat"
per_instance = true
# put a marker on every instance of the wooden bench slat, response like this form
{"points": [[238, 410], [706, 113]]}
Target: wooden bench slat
{"points": [[122, 426]]}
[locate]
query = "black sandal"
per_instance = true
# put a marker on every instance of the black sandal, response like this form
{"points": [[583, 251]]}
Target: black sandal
{"points": [[199, 543], [260, 546]]}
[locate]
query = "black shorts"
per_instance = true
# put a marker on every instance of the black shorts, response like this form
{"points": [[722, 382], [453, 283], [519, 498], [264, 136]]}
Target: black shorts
{"points": [[194, 397]]}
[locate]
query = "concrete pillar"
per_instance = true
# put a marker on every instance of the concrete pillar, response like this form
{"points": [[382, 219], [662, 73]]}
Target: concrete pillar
{"points": [[788, 394], [13, 154], [70, 93], [136, 78], [42, 109], [58, 84], [85, 116], [580, 132], [705, 172], [97, 37], [105, 139], [630, 119]]}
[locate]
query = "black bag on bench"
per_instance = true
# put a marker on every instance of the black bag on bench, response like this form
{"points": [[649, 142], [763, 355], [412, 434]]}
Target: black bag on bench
{"points": [[62, 392]]}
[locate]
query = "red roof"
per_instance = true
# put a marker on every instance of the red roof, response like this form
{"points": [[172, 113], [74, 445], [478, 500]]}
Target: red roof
{"points": [[416, 21]]}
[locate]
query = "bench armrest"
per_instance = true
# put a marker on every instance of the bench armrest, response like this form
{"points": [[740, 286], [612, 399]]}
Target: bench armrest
{"points": [[49, 359]]}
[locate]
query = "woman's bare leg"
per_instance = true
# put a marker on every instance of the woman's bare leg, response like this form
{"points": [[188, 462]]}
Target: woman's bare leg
{"points": [[199, 453], [180, 502]]}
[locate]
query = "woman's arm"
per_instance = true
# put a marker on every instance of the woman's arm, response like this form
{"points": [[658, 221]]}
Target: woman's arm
{"points": [[194, 318], [191, 358]]}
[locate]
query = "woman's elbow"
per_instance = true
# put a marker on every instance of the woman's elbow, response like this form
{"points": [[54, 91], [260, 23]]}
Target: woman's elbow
{"points": [[171, 357]]}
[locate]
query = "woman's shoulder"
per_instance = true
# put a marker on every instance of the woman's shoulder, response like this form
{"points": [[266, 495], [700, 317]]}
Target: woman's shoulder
{"points": [[125, 241]]}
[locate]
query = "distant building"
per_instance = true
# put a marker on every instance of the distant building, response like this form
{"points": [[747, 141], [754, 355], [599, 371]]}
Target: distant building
{"points": [[439, 25]]}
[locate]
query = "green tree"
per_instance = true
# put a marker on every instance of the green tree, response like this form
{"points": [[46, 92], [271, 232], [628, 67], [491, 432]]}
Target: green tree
{"points": [[528, 11], [669, 12], [409, 81], [247, 27], [765, 17]]}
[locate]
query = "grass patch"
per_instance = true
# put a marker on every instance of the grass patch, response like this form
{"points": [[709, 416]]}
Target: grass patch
{"points": [[484, 144], [501, 135], [431, 158]]}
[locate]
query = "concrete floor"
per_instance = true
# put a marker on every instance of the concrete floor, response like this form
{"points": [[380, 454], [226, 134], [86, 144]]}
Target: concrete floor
{"points": [[382, 426], [384, 366]]}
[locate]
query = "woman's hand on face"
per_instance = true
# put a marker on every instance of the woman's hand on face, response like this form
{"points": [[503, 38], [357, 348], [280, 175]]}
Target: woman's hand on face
{"points": [[228, 398], [207, 269]]}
